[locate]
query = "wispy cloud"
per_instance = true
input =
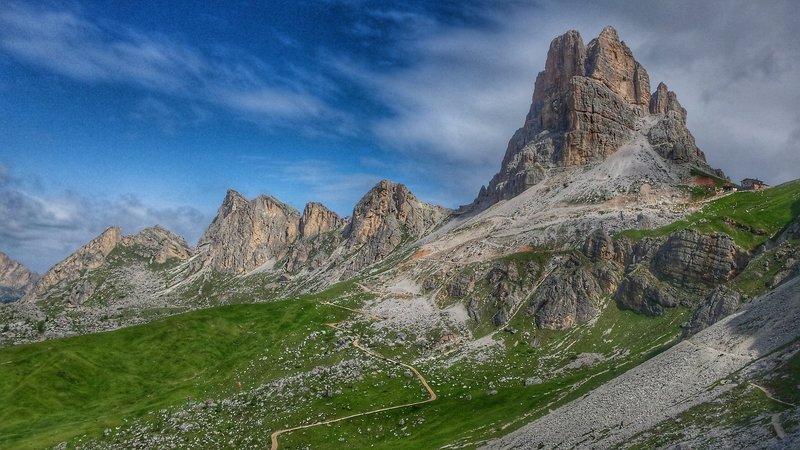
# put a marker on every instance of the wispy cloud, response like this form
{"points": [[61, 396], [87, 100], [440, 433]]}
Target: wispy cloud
{"points": [[68, 43]]}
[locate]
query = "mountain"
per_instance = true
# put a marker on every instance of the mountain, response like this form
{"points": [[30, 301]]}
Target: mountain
{"points": [[606, 271], [88, 257], [265, 234], [259, 245], [587, 103], [15, 279], [248, 234], [71, 280]]}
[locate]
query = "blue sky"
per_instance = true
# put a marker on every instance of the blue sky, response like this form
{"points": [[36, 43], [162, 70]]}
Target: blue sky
{"points": [[136, 113]]}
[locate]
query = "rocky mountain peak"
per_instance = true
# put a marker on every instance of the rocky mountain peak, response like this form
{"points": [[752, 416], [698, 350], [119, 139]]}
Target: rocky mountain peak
{"points": [[565, 58], [90, 256], [318, 219], [664, 101], [385, 217], [385, 201], [587, 103], [233, 201], [159, 244], [15, 279], [248, 234], [610, 61]]}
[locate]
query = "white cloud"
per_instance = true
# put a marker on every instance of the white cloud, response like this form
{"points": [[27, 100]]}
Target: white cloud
{"points": [[467, 88], [67, 43]]}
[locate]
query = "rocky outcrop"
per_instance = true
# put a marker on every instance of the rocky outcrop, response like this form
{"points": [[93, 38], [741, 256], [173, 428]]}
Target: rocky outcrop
{"points": [[88, 257], [158, 245], [249, 234], [388, 215], [670, 137], [600, 247], [640, 291], [587, 103], [15, 279], [689, 257], [663, 102], [720, 303], [570, 295]]}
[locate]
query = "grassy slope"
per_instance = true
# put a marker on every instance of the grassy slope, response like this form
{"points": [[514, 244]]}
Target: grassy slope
{"points": [[750, 218], [56, 389], [467, 413]]}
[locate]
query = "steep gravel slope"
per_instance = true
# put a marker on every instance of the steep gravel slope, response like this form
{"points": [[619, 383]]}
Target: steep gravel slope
{"points": [[683, 376]]}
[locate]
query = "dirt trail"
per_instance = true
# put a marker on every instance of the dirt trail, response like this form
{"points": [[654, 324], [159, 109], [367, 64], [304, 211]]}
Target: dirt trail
{"points": [[373, 354], [769, 396]]}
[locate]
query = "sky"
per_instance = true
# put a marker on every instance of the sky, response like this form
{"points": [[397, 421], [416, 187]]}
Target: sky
{"points": [[142, 113]]}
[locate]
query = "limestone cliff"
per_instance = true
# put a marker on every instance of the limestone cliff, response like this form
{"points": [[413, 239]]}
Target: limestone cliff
{"points": [[588, 102], [248, 234], [317, 219], [15, 279]]}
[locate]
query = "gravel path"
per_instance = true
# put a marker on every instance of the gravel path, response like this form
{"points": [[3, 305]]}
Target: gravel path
{"points": [[373, 354], [670, 383]]}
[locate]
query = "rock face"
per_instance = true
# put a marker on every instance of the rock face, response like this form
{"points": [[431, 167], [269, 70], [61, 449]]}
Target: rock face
{"points": [[587, 103], [90, 256], [158, 244], [690, 257], [320, 234], [669, 137], [599, 246], [317, 219], [249, 234], [385, 217], [15, 279], [664, 272], [640, 291], [720, 303], [558, 305]]}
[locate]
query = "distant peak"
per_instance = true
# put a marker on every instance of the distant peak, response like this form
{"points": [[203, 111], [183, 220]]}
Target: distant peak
{"points": [[233, 193], [609, 32]]}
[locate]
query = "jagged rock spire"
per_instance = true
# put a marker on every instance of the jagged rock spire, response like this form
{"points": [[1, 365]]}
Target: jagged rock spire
{"points": [[587, 103]]}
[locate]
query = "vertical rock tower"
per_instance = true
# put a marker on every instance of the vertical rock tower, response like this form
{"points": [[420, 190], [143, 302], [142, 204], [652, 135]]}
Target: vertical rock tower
{"points": [[588, 102]]}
